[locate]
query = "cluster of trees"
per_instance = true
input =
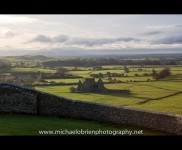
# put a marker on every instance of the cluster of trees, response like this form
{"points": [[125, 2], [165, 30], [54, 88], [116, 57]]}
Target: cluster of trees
{"points": [[59, 76], [145, 74], [114, 80], [108, 74], [115, 74], [100, 75], [61, 70], [89, 62], [61, 73], [162, 74], [97, 68]]}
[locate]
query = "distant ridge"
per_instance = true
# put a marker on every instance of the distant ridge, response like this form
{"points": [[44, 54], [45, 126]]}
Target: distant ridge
{"points": [[30, 57]]}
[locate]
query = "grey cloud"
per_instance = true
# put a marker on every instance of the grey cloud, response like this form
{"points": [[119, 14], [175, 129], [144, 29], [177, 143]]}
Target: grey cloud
{"points": [[60, 39], [175, 39], [95, 42], [152, 33], [45, 39], [179, 26], [89, 42], [41, 38]]}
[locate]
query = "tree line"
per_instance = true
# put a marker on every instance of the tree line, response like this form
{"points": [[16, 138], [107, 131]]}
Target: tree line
{"points": [[100, 62]]}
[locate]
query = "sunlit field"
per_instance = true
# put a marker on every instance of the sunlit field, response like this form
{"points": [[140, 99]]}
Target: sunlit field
{"points": [[166, 91]]}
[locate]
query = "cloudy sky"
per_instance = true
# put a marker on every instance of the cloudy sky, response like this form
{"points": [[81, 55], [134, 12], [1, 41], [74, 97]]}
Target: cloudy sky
{"points": [[26, 34]]}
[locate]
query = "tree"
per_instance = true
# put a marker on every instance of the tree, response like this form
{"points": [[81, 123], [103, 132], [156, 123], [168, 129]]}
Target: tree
{"points": [[162, 74], [145, 74], [109, 74], [73, 89], [153, 71], [61, 70], [136, 75], [126, 69]]}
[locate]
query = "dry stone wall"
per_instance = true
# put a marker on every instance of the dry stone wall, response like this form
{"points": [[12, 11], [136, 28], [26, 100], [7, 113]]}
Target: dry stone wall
{"points": [[14, 99]]}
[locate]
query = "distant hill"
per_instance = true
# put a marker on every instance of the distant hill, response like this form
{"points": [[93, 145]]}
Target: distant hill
{"points": [[40, 57], [30, 57]]}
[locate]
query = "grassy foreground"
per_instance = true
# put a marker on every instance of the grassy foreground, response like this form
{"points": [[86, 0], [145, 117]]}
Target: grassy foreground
{"points": [[31, 125]]}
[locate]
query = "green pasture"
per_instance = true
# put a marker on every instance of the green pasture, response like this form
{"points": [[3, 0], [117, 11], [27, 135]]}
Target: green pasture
{"points": [[32, 70], [65, 80], [94, 97], [140, 88], [13, 125], [172, 105], [78, 68], [85, 74], [122, 79], [140, 91]]}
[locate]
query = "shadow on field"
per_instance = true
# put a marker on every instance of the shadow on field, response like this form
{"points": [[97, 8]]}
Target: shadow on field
{"points": [[109, 94], [124, 95]]}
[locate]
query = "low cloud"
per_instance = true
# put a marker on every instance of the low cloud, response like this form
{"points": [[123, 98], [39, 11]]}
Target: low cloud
{"points": [[179, 25], [89, 42], [96, 42], [41, 38], [175, 39], [60, 38], [152, 33]]}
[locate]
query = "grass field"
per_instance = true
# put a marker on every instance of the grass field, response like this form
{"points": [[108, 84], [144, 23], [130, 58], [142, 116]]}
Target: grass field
{"points": [[32, 70], [64, 80], [146, 93], [31, 125], [140, 91], [164, 94]]}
